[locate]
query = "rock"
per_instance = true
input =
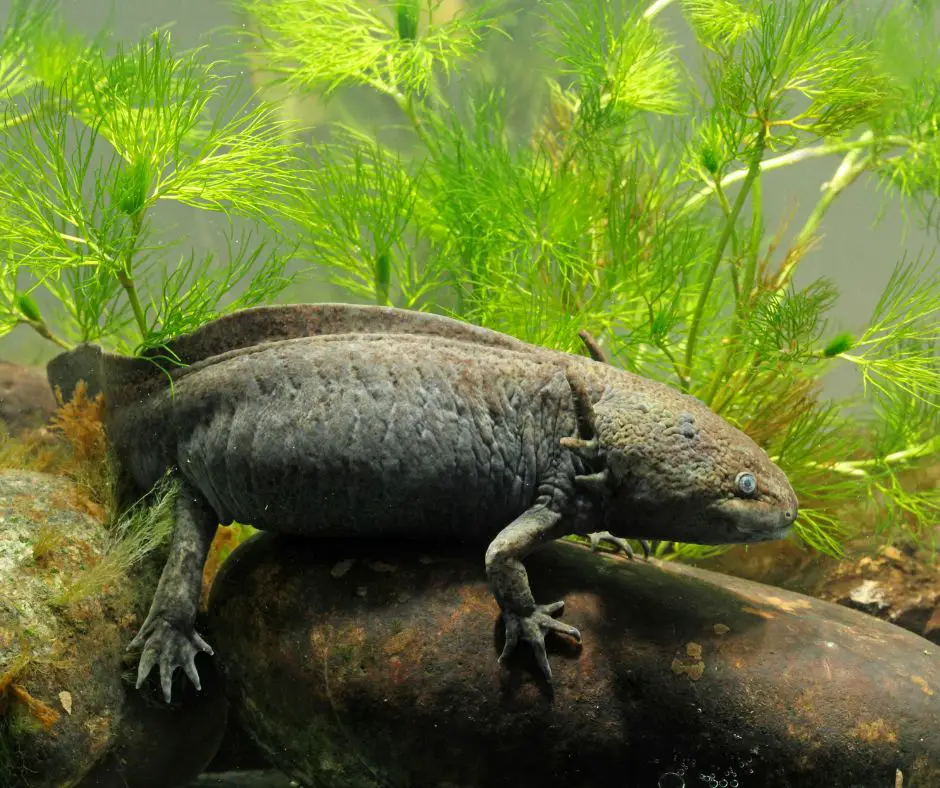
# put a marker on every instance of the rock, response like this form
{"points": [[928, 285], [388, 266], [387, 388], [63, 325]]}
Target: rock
{"points": [[868, 597], [250, 779], [901, 586], [26, 400], [65, 370], [67, 714], [237, 752], [685, 677]]}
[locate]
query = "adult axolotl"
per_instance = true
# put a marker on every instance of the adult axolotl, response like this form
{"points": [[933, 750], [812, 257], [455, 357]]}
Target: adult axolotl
{"points": [[335, 419]]}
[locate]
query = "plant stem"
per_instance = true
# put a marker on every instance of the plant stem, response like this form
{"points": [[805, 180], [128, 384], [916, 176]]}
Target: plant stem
{"points": [[407, 105], [743, 297], [16, 120], [656, 7], [126, 278], [794, 157], [43, 330], [854, 163], [857, 467], [752, 173]]}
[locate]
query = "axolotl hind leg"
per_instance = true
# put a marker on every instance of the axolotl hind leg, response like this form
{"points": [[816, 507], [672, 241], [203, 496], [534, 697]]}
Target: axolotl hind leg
{"points": [[168, 635], [525, 620]]}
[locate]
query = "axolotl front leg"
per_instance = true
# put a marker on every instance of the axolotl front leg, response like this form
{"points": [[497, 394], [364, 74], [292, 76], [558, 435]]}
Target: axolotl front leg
{"points": [[525, 620], [168, 635]]}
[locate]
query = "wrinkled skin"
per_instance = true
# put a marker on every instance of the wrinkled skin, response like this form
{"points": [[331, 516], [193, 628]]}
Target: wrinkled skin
{"points": [[301, 425]]}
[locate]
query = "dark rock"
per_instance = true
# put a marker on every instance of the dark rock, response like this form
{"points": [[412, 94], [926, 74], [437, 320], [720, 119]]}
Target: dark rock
{"points": [[249, 779], [160, 745], [26, 401], [385, 674], [69, 713], [67, 369], [237, 752]]}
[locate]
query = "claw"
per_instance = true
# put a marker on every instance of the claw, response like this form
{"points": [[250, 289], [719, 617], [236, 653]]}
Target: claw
{"points": [[532, 629], [168, 646], [201, 644], [147, 660], [189, 667], [583, 407], [593, 347], [588, 450], [622, 544]]}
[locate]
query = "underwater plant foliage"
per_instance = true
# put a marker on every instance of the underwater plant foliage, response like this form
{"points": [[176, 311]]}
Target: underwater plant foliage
{"points": [[624, 199]]}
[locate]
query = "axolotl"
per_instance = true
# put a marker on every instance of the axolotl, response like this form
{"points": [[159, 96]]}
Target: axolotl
{"points": [[332, 419]]}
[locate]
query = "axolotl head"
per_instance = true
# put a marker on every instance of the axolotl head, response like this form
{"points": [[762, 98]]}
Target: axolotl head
{"points": [[675, 470]]}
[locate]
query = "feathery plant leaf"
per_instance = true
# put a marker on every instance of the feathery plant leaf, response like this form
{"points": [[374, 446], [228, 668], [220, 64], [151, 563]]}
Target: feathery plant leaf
{"points": [[620, 60], [328, 44], [359, 217], [101, 147], [174, 121], [905, 45], [765, 55], [899, 347], [616, 63], [195, 291], [26, 24]]}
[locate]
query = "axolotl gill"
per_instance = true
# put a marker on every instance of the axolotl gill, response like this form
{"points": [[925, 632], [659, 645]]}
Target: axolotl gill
{"points": [[332, 419]]}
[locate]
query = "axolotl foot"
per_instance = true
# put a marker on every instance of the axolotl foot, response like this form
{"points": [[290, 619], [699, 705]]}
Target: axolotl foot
{"points": [[618, 542], [532, 628], [171, 648]]}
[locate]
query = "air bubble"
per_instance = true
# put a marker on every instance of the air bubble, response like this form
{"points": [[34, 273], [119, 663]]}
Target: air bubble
{"points": [[670, 780]]}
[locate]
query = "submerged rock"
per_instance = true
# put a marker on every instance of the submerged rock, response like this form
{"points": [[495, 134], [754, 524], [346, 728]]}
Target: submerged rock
{"points": [[370, 664], [66, 370], [901, 586], [67, 715], [249, 779], [26, 399]]}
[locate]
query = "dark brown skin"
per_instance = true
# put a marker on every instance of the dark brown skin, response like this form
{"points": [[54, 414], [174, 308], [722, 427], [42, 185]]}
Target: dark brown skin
{"points": [[375, 422]]}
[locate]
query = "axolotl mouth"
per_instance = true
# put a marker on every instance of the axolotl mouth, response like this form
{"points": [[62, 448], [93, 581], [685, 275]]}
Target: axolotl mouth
{"points": [[740, 520]]}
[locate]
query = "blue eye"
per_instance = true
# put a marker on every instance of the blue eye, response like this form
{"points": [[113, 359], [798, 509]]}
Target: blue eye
{"points": [[746, 482]]}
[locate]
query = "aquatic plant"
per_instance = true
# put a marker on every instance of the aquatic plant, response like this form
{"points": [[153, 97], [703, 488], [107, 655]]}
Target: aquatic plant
{"points": [[92, 143], [623, 197]]}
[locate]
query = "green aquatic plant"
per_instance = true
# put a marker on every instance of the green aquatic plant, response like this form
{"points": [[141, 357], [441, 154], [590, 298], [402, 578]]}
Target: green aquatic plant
{"points": [[603, 187], [632, 206], [93, 143]]}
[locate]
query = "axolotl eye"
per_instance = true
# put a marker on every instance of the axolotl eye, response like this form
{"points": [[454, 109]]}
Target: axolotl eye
{"points": [[746, 483]]}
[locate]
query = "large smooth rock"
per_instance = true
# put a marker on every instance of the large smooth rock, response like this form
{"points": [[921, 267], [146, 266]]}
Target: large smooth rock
{"points": [[900, 585], [26, 399], [384, 673], [69, 713]]}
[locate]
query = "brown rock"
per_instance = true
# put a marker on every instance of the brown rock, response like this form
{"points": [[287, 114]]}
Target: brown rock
{"points": [[368, 678], [68, 715], [26, 399], [901, 586]]}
